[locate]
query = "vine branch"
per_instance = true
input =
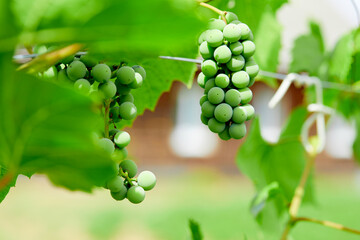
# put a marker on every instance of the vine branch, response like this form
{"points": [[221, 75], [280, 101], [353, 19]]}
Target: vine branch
{"points": [[328, 224]]}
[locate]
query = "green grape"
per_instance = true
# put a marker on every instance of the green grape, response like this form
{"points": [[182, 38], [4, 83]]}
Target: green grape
{"points": [[76, 59], [130, 167], [67, 59], [146, 180], [249, 48], [108, 88], [76, 70], [121, 195], [210, 83], [236, 63], [222, 54], [239, 115], [115, 184], [236, 22], [225, 135], [245, 31], [62, 76], [107, 145], [101, 72], [251, 68], [82, 85], [137, 83], [125, 75], [201, 80], [128, 110], [215, 126], [140, 70], [216, 24], [250, 111], [236, 48], [112, 132], [206, 51], [216, 95], [237, 131], [122, 139], [207, 109], [233, 97], [202, 37], [246, 95], [203, 99], [251, 82], [222, 80], [232, 32], [125, 98], [119, 155], [204, 119], [240, 79], [209, 68], [230, 16], [223, 112], [115, 114], [122, 89], [214, 37], [88, 61], [135, 194]]}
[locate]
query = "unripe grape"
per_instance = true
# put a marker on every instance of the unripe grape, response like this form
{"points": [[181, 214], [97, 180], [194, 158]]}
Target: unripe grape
{"points": [[82, 85], [121, 195], [209, 68], [245, 31], [236, 63], [140, 70], [216, 24], [202, 37], [222, 54], [125, 98], [214, 37], [240, 79], [204, 119], [233, 97], [208, 109], [230, 16], [127, 110], [137, 83], [223, 112], [115, 114], [107, 145], [225, 135], [246, 95], [236, 22], [239, 115], [210, 83], [250, 111], [146, 180], [251, 68], [249, 48], [67, 59], [122, 139], [203, 99], [251, 82], [237, 131], [119, 155], [88, 61], [130, 167], [222, 80], [216, 126], [206, 51], [236, 48], [108, 88], [135, 194], [125, 75], [232, 32], [62, 76], [201, 80], [112, 132], [122, 89], [115, 184], [216, 95], [76, 70]]}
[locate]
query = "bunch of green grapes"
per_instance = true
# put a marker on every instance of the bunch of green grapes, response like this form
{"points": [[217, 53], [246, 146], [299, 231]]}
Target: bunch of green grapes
{"points": [[227, 72], [112, 84]]}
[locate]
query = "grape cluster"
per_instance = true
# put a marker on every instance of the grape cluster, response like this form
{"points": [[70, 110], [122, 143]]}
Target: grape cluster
{"points": [[112, 83], [227, 72]]}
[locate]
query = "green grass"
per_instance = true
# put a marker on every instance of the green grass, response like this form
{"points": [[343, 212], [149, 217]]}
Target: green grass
{"points": [[220, 203]]}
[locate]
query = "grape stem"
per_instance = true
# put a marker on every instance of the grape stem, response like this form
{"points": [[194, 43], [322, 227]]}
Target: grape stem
{"points": [[126, 176], [106, 117], [327, 224], [214, 9]]}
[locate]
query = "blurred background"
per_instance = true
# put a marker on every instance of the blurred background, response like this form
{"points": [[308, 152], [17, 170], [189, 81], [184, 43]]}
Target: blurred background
{"points": [[197, 174]]}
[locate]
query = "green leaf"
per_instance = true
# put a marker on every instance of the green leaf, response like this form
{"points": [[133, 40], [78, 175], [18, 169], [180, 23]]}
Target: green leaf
{"points": [[356, 146], [195, 230], [5, 190], [308, 52], [49, 129], [282, 162]]}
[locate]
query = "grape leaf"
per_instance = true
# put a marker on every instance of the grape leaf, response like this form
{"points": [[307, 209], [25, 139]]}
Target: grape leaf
{"points": [[356, 146], [282, 162], [195, 230]]}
